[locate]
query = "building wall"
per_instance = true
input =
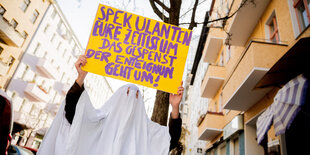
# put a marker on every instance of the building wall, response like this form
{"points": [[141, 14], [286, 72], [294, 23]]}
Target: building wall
{"points": [[196, 107], [14, 11], [242, 60], [56, 45]]}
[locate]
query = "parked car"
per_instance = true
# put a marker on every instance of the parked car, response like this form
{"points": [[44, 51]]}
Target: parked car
{"points": [[18, 150], [34, 151]]}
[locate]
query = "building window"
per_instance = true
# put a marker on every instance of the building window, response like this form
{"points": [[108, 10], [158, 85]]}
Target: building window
{"points": [[302, 12], [62, 76], [46, 28], [64, 53], [221, 103], [36, 49], [13, 95], [228, 53], [49, 89], [14, 23], [59, 25], [53, 14], [222, 150], [199, 150], [74, 49], [11, 61], [59, 45], [24, 5], [1, 50], [68, 59], [25, 72], [273, 30], [236, 146], [35, 78], [45, 54], [70, 40], [53, 37], [34, 16], [2, 10], [221, 63], [215, 107], [25, 34]]}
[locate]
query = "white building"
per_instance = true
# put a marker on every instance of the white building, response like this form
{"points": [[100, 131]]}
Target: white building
{"points": [[194, 106], [45, 74]]}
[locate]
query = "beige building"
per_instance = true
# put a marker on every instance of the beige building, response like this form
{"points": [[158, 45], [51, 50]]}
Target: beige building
{"points": [[261, 33], [19, 20]]}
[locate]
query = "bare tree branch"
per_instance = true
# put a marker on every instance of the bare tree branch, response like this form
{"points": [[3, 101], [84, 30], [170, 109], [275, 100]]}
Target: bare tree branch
{"points": [[191, 9], [162, 5], [157, 12], [193, 24], [244, 2]]}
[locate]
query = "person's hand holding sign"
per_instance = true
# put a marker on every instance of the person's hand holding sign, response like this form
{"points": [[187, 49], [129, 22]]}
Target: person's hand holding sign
{"points": [[175, 100], [81, 73]]}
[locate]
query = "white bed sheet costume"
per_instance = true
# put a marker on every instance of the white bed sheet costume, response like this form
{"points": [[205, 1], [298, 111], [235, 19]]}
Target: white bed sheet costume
{"points": [[119, 127]]}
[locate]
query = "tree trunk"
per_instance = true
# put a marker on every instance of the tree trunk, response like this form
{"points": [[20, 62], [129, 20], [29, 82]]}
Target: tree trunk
{"points": [[161, 105]]}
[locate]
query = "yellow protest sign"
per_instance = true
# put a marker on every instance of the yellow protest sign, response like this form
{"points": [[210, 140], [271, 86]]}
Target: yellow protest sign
{"points": [[137, 49]]}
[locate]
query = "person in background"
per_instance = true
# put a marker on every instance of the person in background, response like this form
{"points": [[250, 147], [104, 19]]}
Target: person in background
{"points": [[5, 122]]}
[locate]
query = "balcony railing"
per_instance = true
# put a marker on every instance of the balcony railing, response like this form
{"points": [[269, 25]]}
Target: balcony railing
{"points": [[9, 35], [212, 49], [254, 63], [212, 81], [211, 126], [36, 93], [244, 21]]}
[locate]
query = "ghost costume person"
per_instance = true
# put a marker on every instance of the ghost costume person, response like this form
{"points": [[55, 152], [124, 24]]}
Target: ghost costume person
{"points": [[119, 127]]}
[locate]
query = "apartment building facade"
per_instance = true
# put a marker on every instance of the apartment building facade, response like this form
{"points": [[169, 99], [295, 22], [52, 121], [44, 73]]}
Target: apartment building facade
{"points": [[244, 55], [193, 105], [44, 76], [19, 20]]}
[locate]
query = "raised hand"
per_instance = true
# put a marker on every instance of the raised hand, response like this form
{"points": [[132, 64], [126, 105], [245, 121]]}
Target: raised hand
{"points": [[175, 100], [81, 73]]}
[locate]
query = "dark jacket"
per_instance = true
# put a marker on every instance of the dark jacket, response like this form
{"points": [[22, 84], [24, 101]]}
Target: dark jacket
{"points": [[75, 92]]}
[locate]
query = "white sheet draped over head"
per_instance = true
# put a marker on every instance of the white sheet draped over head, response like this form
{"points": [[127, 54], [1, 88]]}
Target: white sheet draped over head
{"points": [[119, 127]]}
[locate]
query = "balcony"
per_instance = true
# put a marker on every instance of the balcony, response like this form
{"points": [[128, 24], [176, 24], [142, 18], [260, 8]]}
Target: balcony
{"points": [[61, 87], [51, 108], [9, 35], [211, 126], [212, 81], [4, 68], [65, 88], [245, 20], [212, 49], [46, 69], [254, 63], [36, 93], [294, 62], [21, 118]]}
